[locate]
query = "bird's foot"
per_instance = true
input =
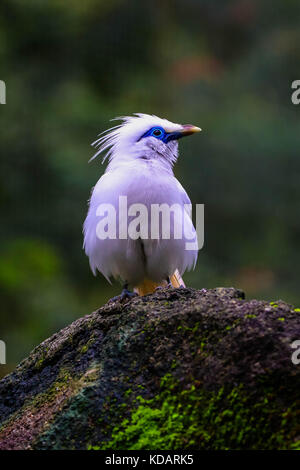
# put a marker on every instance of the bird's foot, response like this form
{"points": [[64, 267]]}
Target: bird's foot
{"points": [[124, 296], [158, 288], [168, 285]]}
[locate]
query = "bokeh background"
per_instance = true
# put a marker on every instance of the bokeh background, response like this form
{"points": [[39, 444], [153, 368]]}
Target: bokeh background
{"points": [[69, 67]]}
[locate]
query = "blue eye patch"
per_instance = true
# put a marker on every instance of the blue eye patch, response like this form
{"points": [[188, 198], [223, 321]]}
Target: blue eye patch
{"points": [[159, 133]]}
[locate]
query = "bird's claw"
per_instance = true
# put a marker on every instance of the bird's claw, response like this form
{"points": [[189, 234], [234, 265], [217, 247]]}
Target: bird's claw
{"points": [[166, 286], [125, 295]]}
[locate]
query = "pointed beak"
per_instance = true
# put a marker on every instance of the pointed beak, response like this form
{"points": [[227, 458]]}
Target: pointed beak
{"points": [[189, 129]]}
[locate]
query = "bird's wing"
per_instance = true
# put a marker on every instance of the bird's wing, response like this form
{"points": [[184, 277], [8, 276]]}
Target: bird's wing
{"points": [[185, 198], [148, 286]]}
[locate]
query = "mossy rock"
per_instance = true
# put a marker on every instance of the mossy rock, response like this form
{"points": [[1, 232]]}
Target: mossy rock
{"points": [[178, 369]]}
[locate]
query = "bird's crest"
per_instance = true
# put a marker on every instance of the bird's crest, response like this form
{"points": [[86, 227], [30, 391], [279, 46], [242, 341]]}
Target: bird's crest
{"points": [[126, 134]]}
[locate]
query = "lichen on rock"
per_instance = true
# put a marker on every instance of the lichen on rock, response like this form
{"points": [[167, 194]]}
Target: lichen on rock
{"points": [[177, 369]]}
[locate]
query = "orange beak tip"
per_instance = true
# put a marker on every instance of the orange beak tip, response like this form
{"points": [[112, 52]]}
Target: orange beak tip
{"points": [[189, 129]]}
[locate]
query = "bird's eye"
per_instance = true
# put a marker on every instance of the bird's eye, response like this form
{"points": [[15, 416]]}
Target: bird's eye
{"points": [[157, 132]]}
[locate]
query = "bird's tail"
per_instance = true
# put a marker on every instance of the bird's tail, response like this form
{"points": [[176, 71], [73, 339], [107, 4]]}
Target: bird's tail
{"points": [[147, 287]]}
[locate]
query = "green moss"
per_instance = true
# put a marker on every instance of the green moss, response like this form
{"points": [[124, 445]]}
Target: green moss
{"points": [[274, 304], [39, 363], [195, 418], [297, 310], [84, 349], [296, 445]]}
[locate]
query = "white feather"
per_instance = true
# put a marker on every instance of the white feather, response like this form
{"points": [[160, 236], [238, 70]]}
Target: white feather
{"points": [[142, 171]]}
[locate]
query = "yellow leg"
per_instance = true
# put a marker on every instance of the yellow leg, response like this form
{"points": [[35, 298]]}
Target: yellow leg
{"points": [[147, 287], [177, 280]]}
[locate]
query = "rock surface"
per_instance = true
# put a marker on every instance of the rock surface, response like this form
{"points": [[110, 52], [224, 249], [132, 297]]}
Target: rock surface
{"points": [[178, 369]]}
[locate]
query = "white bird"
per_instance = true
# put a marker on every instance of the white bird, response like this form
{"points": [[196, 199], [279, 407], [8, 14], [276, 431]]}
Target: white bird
{"points": [[141, 152]]}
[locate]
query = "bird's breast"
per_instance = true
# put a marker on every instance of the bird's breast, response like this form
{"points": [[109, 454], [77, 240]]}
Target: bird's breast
{"points": [[149, 184]]}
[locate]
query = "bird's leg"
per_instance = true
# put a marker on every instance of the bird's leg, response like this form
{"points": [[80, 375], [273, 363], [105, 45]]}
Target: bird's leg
{"points": [[125, 294], [168, 286]]}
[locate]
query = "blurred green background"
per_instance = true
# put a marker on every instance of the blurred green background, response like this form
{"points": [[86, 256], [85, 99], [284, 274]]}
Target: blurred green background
{"points": [[69, 67]]}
